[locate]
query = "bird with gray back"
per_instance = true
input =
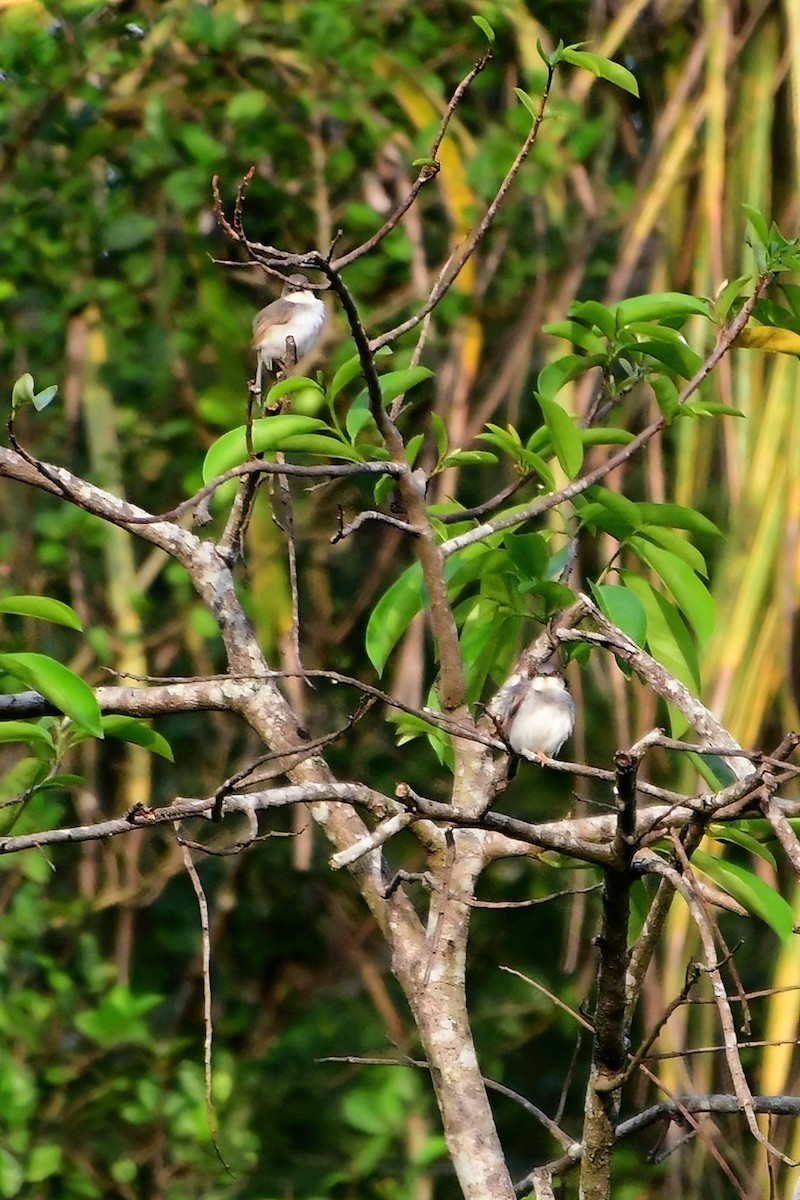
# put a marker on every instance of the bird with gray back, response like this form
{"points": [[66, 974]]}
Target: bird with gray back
{"points": [[299, 314]]}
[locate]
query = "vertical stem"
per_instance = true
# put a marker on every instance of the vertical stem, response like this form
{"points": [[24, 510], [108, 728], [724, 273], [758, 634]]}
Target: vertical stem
{"points": [[610, 1024], [433, 979]]}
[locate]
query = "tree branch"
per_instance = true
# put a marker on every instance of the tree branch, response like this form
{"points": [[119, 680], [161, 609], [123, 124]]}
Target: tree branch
{"points": [[725, 339], [459, 262]]}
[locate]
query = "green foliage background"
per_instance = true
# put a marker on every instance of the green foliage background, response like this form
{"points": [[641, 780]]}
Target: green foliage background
{"points": [[114, 118]]}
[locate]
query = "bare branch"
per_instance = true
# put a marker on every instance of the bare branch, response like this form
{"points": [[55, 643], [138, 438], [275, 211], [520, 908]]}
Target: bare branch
{"points": [[208, 1026], [141, 817], [683, 884], [672, 1110], [783, 830], [459, 259], [344, 531], [428, 172]]}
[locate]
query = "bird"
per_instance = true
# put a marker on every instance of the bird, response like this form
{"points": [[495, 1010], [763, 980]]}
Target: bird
{"points": [[538, 715], [299, 314]]}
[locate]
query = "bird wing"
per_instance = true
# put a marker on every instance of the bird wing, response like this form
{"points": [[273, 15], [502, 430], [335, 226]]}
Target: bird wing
{"points": [[278, 312]]}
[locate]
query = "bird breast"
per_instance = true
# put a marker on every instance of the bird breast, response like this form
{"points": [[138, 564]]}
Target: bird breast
{"points": [[304, 325], [543, 721]]}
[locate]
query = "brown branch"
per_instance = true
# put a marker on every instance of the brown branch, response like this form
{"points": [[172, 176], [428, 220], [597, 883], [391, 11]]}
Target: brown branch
{"points": [[488, 506], [141, 817], [360, 1060], [58, 481], [672, 1110], [208, 1026], [684, 884], [344, 531], [475, 238], [259, 467], [783, 830], [428, 172]]}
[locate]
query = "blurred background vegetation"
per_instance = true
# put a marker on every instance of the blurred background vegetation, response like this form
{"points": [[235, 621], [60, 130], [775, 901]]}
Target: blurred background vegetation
{"points": [[114, 117]]}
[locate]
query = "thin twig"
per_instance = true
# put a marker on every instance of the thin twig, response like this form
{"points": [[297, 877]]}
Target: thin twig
{"points": [[460, 260], [208, 1026], [428, 172], [344, 531], [683, 884]]}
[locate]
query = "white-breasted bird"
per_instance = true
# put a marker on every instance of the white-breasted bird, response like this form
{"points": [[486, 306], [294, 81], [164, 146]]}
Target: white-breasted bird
{"points": [[299, 314], [538, 715]]}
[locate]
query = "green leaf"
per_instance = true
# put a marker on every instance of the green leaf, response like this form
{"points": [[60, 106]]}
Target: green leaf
{"points": [[564, 434], [473, 562], [59, 782], [45, 397], [667, 637], [677, 516], [666, 394], [347, 372], [605, 435], [117, 1019], [485, 29], [711, 408], [383, 488], [624, 608], [129, 729], [62, 687], [660, 306], [528, 552], [713, 769], [318, 443], [18, 780], [129, 230], [26, 731], [394, 383], [554, 595], [413, 447], [728, 293], [595, 315], [44, 1161], [268, 433], [440, 434], [752, 893], [692, 596], [677, 545], [486, 640], [740, 837], [43, 608], [392, 615], [603, 68], [579, 335], [680, 359], [758, 223], [527, 101], [286, 387], [358, 416], [571, 366], [534, 462], [550, 60], [625, 510], [22, 391], [466, 458]]}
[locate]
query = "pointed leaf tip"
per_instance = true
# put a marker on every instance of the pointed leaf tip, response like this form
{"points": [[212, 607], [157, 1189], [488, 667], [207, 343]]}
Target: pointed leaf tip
{"points": [[485, 29]]}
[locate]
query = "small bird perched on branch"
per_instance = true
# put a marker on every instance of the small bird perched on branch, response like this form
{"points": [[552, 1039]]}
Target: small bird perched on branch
{"points": [[296, 318], [538, 714]]}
